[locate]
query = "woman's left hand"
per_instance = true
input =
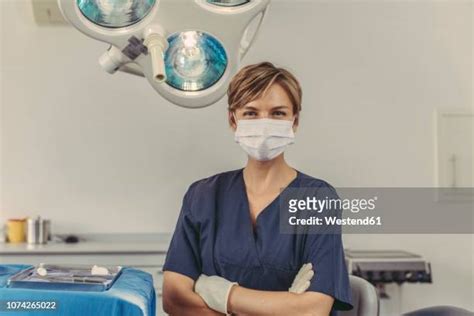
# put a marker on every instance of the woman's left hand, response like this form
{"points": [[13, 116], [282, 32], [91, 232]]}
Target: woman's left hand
{"points": [[301, 282]]}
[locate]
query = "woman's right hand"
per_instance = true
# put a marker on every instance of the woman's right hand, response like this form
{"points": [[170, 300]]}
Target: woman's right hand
{"points": [[301, 282]]}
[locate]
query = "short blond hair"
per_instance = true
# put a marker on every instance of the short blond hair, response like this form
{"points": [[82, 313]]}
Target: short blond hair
{"points": [[253, 81]]}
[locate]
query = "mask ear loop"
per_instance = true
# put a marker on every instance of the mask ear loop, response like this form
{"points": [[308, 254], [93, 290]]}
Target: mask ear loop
{"points": [[296, 122], [235, 118]]}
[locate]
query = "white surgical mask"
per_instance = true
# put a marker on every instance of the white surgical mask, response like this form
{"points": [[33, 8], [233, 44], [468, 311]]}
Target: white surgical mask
{"points": [[264, 139]]}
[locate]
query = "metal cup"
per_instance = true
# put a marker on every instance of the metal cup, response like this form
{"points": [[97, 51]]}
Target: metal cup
{"points": [[38, 230]]}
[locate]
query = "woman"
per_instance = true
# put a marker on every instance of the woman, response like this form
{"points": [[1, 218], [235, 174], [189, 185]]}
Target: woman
{"points": [[227, 254]]}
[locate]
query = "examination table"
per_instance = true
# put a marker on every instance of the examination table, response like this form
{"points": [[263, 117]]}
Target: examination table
{"points": [[132, 294]]}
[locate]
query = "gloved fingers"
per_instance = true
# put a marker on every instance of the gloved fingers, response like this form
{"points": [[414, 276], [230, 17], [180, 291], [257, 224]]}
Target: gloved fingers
{"points": [[302, 279], [307, 276], [302, 287], [300, 272], [304, 269]]}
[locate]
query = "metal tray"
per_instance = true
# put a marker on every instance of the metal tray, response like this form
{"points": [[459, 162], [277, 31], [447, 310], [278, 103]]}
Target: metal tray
{"points": [[64, 277]]}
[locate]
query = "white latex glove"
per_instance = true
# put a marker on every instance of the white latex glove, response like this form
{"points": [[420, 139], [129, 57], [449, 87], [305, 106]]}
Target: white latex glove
{"points": [[215, 291], [301, 282]]}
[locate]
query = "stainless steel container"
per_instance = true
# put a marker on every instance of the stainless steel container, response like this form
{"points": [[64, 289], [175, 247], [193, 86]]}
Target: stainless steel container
{"points": [[38, 230]]}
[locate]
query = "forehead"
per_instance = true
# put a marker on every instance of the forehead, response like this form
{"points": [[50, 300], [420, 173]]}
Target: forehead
{"points": [[275, 96]]}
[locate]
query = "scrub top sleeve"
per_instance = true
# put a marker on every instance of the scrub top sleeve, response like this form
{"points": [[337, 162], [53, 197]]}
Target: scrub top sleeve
{"points": [[183, 255], [326, 252]]}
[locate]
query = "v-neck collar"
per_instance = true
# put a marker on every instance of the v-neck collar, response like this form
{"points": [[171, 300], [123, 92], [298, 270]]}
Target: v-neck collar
{"points": [[250, 231], [247, 201]]}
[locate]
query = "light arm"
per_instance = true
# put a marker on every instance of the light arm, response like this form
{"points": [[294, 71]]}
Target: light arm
{"points": [[243, 301], [180, 299]]}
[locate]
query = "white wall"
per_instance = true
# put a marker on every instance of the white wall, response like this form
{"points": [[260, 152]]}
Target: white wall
{"points": [[85, 148]]}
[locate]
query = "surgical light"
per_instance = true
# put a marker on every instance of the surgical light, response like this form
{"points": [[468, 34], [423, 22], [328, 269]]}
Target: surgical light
{"points": [[115, 13], [188, 50], [228, 3], [194, 61]]}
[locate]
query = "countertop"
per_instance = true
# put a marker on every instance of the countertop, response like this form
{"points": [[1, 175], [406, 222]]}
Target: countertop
{"points": [[95, 243]]}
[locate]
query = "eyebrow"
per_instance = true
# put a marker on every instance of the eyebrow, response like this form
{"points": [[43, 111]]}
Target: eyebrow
{"points": [[249, 107], [278, 107]]}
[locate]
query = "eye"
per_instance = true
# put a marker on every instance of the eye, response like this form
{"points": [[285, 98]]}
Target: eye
{"points": [[279, 113], [249, 114]]}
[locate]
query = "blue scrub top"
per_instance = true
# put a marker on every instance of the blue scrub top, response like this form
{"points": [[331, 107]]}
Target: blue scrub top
{"points": [[214, 236]]}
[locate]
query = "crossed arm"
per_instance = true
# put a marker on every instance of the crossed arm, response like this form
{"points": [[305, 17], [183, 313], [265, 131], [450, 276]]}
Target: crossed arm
{"points": [[179, 298]]}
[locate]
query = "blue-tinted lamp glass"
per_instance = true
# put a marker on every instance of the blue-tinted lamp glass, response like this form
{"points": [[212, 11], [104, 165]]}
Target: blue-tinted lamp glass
{"points": [[115, 13], [228, 3], [194, 61]]}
